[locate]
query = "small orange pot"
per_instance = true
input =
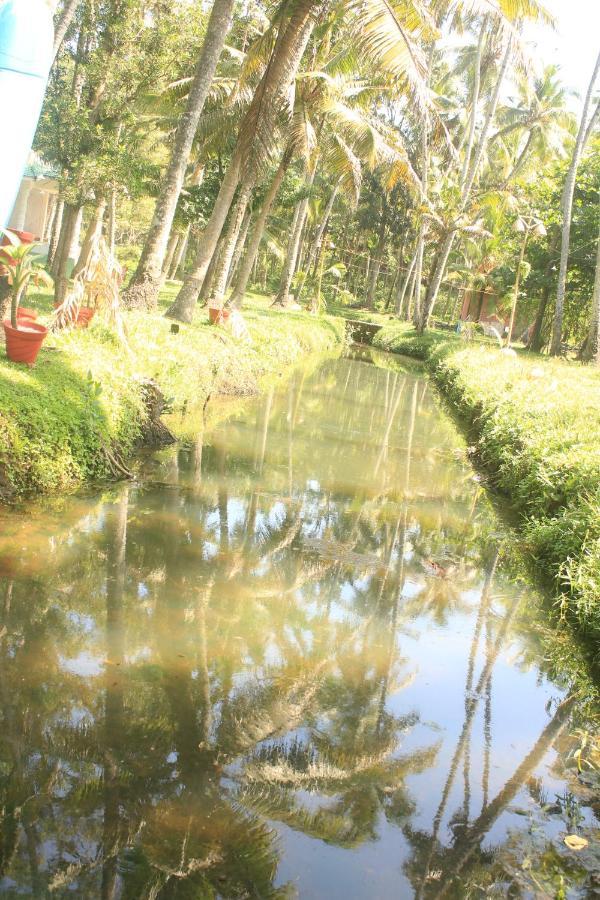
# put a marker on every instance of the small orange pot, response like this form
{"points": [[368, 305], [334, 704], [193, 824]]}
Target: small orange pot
{"points": [[218, 316], [23, 343]]}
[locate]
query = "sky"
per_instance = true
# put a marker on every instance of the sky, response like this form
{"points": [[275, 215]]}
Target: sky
{"points": [[574, 44]]}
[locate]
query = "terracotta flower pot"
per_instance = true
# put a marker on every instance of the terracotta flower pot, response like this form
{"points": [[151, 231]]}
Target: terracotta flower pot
{"points": [[84, 316], [23, 343], [24, 312], [218, 316]]}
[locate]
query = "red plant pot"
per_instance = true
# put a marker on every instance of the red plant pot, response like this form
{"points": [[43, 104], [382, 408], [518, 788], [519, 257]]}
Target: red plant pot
{"points": [[85, 315], [24, 312], [218, 316], [23, 343]]}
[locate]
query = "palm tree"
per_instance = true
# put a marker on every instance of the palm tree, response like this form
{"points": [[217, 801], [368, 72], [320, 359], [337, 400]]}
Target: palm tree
{"points": [[243, 275], [540, 117], [62, 23], [586, 126], [254, 143], [144, 287]]}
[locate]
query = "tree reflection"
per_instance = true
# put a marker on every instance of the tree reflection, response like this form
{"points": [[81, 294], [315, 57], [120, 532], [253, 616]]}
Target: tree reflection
{"points": [[192, 663]]}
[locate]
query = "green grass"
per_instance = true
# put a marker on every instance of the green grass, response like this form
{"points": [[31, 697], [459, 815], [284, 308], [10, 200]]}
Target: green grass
{"points": [[84, 394], [535, 424]]}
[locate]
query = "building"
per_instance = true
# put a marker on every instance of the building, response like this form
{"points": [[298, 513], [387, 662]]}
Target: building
{"points": [[37, 200]]}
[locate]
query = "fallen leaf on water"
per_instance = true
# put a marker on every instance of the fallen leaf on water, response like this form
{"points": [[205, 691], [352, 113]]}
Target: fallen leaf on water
{"points": [[574, 842]]}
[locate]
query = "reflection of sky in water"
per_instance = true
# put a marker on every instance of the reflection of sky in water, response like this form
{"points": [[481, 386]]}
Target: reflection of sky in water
{"points": [[84, 664]]}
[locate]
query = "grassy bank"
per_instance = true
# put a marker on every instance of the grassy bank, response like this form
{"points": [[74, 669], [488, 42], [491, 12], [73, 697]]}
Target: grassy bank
{"points": [[82, 405], [535, 425]]}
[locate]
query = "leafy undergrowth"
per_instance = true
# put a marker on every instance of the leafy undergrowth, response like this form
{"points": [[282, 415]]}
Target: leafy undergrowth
{"points": [[84, 395], [536, 426]]}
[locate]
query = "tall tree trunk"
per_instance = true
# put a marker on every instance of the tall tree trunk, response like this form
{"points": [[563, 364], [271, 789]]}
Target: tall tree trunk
{"points": [[403, 285], [474, 103], [145, 284], [376, 263], [279, 75], [248, 260], [585, 127], [93, 233], [239, 244], [112, 222], [62, 24], [441, 260], [179, 257], [535, 341], [314, 247], [591, 349], [289, 266], [49, 226], [229, 242], [174, 241], [424, 153], [211, 271], [71, 216], [55, 233]]}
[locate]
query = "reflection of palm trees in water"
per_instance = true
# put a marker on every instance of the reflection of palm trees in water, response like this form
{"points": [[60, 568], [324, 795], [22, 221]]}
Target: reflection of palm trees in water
{"points": [[249, 672], [114, 693], [436, 871]]}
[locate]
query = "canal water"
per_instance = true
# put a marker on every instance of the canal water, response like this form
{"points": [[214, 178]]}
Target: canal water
{"points": [[291, 659]]}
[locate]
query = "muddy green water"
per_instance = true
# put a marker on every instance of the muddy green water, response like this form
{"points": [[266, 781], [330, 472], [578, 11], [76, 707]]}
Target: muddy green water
{"points": [[287, 661]]}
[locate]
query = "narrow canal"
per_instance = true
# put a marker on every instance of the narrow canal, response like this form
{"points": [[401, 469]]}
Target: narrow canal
{"points": [[292, 659]]}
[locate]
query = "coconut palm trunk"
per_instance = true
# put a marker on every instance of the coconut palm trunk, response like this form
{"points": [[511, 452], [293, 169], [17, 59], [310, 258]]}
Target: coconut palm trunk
{"points": [[536, 340], [591, 349], [585, 128], [229, 243], [62, 24], [239, 245], [254, 135], [145, 284], [249, 258], [376, 264], [420, 248], [314, 247], [172, 246], [442, 257], [403, 285], [293, 250], [474, 103], [209, 278], [179, 256]]}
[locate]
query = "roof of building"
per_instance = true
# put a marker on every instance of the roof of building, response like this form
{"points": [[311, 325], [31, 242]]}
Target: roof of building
{"points": [[37, 168]]}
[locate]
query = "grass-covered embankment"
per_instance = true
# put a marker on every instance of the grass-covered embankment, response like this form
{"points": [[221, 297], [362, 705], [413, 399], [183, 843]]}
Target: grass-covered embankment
{"points": [[84, 396], [535, 426]]}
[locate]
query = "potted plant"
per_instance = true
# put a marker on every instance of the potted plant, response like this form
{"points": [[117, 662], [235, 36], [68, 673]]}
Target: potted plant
{"points": [[24, 336], [218, 315]]}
